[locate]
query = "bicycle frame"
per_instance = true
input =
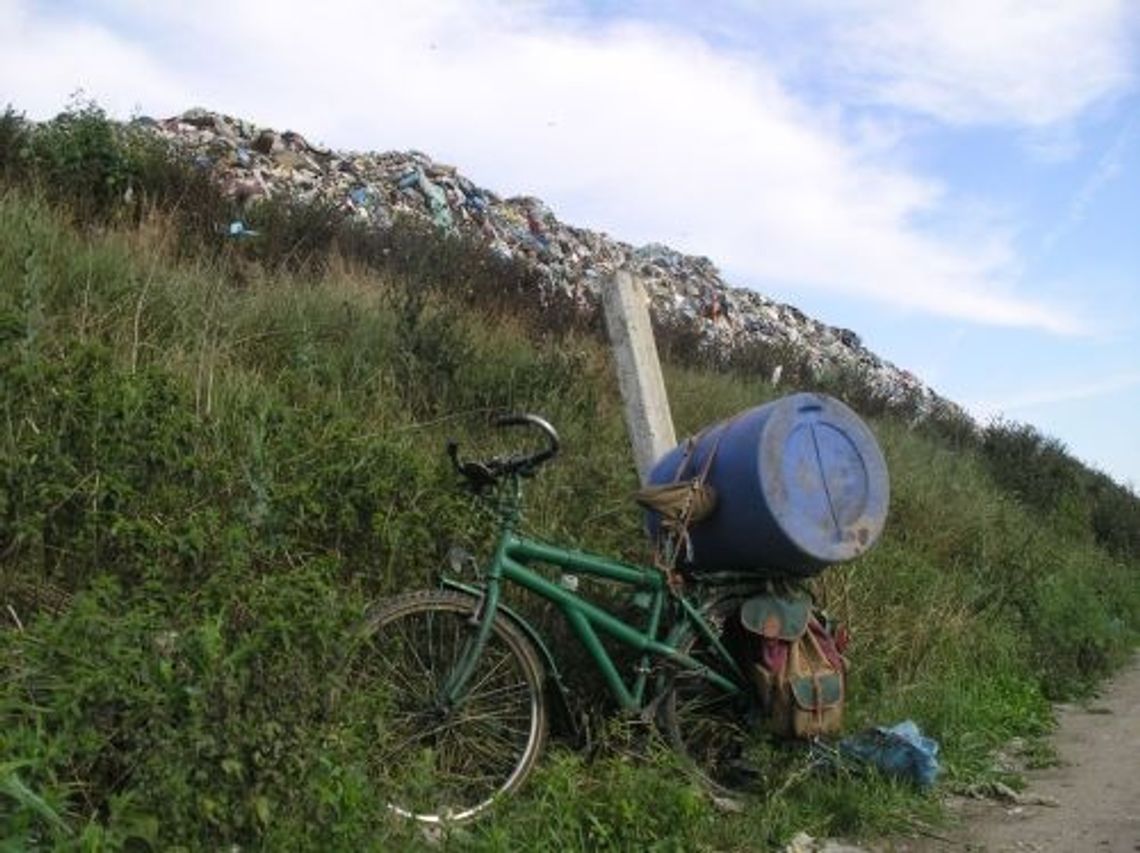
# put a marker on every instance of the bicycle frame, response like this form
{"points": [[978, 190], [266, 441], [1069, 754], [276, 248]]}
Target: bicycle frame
{"points": [[514, 554]]}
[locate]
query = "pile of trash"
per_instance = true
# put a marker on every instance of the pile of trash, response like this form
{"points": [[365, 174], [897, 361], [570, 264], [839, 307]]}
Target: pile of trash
{"points": [[252, 162]]}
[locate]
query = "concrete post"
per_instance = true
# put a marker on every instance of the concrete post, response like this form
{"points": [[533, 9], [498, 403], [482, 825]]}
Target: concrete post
{"points": [[647, 415]]}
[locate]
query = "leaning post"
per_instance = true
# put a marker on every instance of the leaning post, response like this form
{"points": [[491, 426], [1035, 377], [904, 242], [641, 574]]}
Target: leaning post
{"points": [[647, 415]]}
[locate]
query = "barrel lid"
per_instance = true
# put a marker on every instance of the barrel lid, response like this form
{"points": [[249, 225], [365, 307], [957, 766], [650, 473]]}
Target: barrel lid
{"points": [[824, 477]]}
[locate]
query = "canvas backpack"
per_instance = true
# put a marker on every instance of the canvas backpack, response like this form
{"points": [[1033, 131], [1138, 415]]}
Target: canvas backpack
{"points": [[796, 665]]}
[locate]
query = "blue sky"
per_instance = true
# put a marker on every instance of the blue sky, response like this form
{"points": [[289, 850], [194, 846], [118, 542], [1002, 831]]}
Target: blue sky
{"points": [[958, 182]]}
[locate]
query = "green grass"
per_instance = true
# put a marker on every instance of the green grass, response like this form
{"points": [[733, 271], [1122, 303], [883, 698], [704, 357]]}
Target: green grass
{"points": [[209, 465]]}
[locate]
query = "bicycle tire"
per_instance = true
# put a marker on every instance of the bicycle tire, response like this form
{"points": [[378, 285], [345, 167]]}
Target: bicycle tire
{"points": [[440, 765], [707, 727]]}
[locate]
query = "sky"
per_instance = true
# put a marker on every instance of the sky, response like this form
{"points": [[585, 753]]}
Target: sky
{"points": [[958, 182]]}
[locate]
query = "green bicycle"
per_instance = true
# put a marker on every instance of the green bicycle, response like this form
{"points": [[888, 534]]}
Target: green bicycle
{"points": [[458, 687]]}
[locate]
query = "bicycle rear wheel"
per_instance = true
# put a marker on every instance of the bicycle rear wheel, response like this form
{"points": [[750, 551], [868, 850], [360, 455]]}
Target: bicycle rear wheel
{"points": [[440, 763], [707, 726]]}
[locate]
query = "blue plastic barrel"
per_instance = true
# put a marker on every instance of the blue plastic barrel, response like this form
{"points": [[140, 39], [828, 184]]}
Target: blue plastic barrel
{"points": [[800, 484]]}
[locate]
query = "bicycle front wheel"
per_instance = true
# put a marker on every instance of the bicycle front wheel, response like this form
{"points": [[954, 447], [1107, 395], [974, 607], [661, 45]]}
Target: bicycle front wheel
{"points": [[440, 761]]}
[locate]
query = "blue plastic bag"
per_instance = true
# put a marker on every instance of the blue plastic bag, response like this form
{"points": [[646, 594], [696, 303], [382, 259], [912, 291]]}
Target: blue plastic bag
{"points": [[901, 751]]}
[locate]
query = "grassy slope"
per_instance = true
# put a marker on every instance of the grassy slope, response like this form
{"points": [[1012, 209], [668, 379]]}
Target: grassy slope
{"points": [[206, 472]]}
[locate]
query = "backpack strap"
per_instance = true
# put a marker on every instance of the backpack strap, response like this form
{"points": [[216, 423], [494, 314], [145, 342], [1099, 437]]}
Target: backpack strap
{"points": [[681, 503]]}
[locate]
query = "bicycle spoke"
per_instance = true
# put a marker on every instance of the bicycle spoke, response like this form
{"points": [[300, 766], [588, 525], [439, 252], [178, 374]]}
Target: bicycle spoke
{"points": [[499, 694], [441, 762], [495, 668], [490, 734]]}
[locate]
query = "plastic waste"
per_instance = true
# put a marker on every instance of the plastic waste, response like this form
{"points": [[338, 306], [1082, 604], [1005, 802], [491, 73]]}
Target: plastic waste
{"points": [[901, 751], [437, 201], [237, 230]]}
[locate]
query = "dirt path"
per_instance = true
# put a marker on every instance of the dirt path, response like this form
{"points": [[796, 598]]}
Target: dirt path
{"points": [[1095, 789]]}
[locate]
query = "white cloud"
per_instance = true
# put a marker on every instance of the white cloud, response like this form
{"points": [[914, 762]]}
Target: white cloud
{"points": [[44, 60], [644, 132], [1055, 394], [1108, 168], [1018, 62]]}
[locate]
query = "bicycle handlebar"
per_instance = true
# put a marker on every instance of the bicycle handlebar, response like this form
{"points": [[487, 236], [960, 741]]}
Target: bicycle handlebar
{"points": [[481, 474], [553, 444]]}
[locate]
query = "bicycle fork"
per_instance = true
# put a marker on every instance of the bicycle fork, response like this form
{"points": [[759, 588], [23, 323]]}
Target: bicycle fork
{"points": [[454, 686]]}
